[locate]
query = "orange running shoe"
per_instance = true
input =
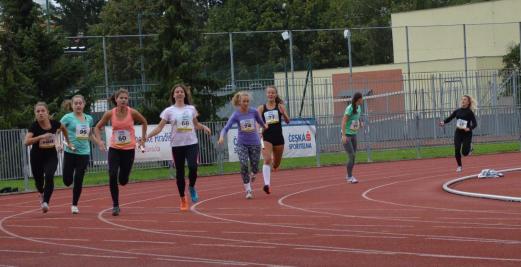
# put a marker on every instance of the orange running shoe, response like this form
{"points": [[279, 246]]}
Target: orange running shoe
{"points": [[184, 204]]}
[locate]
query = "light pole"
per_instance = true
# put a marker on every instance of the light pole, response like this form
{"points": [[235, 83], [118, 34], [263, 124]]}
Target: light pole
{"points": [[141, 59], [48, 15], [286, 35], [347, 35]]}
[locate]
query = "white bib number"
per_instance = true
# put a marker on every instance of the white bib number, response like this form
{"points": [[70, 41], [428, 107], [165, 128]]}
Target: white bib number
{"points": [[184, 123], [271, 117], [122, 137], [47, 142], [461, 124], [82, 131], [355, 125], [247, 125]]}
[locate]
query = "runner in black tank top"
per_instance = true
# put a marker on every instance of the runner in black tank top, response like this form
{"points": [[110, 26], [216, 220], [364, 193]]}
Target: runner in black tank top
{"points": [[272, 113]]}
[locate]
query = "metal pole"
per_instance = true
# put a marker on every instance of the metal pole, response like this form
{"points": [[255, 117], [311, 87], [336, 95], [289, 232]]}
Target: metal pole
{"points": [[408, 58], [105, 69], [434, 110], [292, 67], [520, 45], [314, 115], [232, 67], [140, 30], [465, 51], [350, 58], [287, 85], [48, 16], [25, 161], [494, 102]]}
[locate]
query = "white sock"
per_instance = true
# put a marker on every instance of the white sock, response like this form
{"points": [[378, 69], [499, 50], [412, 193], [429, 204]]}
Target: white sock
{"points": [[247, 187], [266, 174]]}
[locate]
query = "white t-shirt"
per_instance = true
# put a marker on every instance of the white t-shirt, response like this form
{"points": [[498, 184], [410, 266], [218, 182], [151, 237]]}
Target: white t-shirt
{"points": [[182, 121]]}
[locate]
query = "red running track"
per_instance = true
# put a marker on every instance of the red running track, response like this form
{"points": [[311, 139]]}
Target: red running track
{"points": [[398, 215]]}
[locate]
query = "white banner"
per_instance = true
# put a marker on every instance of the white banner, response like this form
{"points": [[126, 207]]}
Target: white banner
{"points": [[299, 140], [156, 148]]}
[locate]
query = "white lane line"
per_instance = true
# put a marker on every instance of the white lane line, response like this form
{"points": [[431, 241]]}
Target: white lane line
{"points": [[140, 241], [182, 231], [131, 220], [2, 265], [509, 242], [199, 222], [489, 218], [359, 251], [202, 261], [7, 237], [289, 215], [57, 218], [97, 228], [480, 227], [98, 256], [298, 224], [374, 225], [259, 233], [22, 251], [234, 246], [33, 226], [361, 236], [61, 239], [6, 211]]}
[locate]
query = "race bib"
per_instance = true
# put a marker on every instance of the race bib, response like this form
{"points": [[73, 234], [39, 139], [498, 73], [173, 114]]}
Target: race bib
{"points": [[82, 131], [461, 124], [184, 123], [122, 137], [271, 117], [47, 142], [247, 125], [355, 125]]}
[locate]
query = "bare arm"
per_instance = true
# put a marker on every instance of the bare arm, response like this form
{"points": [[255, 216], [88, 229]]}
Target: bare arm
{"points": [[284, 113], [29, 139], [104, 120], [138, 117], [158, 129], [200, 126]]}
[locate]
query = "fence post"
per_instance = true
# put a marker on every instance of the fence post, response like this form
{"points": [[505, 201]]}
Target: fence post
{"points": [[367, 132], [25, 159], [494, 102], [433, 89]]}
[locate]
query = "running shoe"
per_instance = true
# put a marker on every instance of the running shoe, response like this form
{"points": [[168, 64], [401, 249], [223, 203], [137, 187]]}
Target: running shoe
{"points": [[459, 169], [184, 204], [352, 180], [74, 209], [249, 194], [45, 207], [193, 194], [267, 189], [115, 211]]}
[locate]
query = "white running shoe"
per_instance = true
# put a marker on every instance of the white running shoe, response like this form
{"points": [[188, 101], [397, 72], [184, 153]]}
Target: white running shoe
{"points": [[352, 180], [249, 194], [75, 210], [459, 169], [45, 207]]}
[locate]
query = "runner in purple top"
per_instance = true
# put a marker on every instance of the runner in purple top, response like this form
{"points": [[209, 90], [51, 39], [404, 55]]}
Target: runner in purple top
{"points": [[248, 141]]}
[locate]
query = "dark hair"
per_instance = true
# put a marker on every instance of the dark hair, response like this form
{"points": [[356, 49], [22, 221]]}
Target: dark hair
{"points": [[355, 99], [188, 95], [116, 94], [278, 100]]}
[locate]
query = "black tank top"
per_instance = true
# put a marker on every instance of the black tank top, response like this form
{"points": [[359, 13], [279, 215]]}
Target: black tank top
{"points": [[273, 119]]}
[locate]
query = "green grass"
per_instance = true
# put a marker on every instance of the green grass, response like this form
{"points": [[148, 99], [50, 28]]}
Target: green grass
{"points": [[326, 159]]}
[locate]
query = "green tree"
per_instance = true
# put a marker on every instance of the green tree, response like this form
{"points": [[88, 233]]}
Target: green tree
{"points": [[33, 67], [75, 16]]}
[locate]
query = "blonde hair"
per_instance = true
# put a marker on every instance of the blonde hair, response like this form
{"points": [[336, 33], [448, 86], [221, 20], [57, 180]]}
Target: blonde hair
{"points": [[473, 104], [67, 104], [236, 100]]}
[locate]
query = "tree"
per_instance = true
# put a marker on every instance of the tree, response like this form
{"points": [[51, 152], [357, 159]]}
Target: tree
{"points": [[33, 67], [75, 16], [511, 71]]}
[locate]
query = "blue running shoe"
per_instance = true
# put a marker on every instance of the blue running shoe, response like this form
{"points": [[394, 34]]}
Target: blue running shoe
{"points": [[193, 194]]}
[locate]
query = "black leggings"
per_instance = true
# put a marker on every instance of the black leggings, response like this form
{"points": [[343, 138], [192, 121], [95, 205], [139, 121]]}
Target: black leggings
{"points": [[462, 144], [120, 164], [180, 153], [74, 166], [43, 167]]}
